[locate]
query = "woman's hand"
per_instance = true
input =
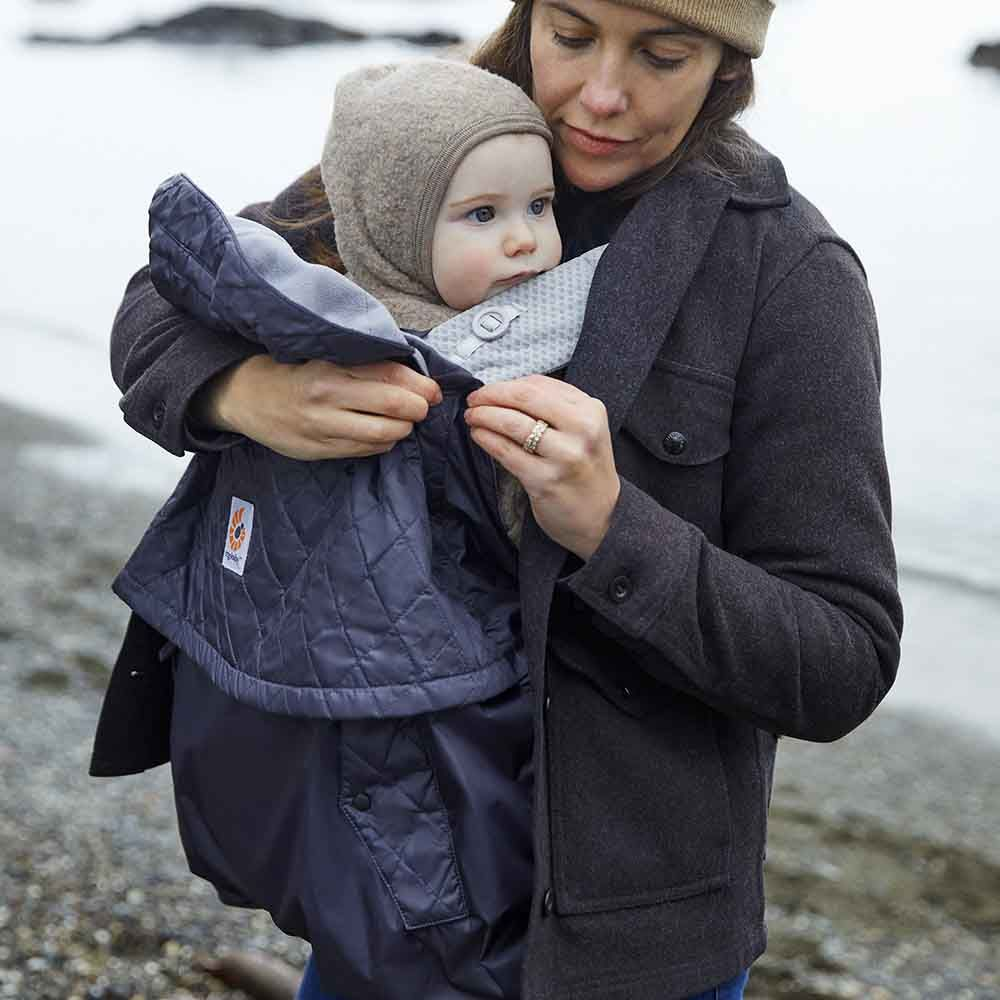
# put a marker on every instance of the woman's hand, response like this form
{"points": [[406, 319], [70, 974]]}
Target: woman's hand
{"points": [[571, 479], [317, 409]]}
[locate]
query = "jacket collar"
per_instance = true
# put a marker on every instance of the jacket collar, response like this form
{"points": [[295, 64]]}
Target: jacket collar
{"points": [[766, 187]]}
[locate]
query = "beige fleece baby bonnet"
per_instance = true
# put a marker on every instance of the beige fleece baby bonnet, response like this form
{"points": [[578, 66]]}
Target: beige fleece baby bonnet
{"points": [[397, 136]]}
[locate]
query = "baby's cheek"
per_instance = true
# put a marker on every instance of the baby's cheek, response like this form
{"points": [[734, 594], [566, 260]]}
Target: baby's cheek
{"points": [[554, 247], [480, 269]]}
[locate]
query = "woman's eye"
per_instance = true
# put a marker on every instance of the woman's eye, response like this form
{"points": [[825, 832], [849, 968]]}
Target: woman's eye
{"points": [[570, 41], [538, 206], [484, 213], [662, 62]]}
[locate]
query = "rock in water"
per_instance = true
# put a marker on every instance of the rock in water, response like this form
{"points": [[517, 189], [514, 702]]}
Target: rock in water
{"points": [[218, 23], [986, 55], [239, 26]]}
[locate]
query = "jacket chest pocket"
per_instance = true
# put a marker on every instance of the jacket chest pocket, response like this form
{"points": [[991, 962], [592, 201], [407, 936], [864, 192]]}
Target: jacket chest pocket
{"points": [[675, 439]]}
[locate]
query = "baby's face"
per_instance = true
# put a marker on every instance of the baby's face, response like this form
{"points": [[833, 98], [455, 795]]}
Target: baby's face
{"points": [[496, 228]]}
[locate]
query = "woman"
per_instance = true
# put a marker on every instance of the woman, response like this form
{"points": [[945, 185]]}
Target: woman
{"points": [[707, 561]]}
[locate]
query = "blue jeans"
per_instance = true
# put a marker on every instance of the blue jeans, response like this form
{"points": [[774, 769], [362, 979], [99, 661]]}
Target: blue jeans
{"points": [[733, 990], [310, 988]]}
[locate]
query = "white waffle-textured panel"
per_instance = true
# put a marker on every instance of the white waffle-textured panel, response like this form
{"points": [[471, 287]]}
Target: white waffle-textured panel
{"points": [[532, 328]]}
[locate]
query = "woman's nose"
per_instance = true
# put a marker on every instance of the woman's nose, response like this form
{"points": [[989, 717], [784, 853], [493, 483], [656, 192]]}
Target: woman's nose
{"points": [[603, 94], [519, 239]]}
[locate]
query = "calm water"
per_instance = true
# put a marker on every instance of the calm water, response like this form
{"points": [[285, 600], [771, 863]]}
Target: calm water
{"points": [[873, 108]]}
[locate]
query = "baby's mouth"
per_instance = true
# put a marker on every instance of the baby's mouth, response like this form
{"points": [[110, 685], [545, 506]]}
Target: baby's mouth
{"points": [[515, 279]]}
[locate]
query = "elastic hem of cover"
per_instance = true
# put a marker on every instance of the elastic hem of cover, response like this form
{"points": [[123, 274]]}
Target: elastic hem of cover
{"points": [[382, 702]]}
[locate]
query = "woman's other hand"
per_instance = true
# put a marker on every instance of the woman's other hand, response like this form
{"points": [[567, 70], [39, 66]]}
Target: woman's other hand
{"points": [[571, 479], [317, 410]]}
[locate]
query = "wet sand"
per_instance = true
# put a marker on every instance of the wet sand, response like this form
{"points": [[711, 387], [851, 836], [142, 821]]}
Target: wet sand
{"points": [[884, 863]]}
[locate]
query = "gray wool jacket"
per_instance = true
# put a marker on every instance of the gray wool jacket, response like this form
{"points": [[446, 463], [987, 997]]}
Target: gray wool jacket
{"points": [[746, 588]]}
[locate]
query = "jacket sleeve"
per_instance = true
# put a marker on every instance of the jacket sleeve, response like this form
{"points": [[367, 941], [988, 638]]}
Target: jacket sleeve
{"points": [[794, 624], [160, 357]]}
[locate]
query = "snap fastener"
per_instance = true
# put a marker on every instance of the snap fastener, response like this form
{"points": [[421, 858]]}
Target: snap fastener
{"points": [[626, 691], [620, 589], [159, 413], [492, 322], [362, 802], [548, 903], [674, 443], [548, 702]]}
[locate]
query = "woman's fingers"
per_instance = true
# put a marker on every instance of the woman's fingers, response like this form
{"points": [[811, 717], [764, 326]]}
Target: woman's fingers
{"points": [[513, 425], [577, 422], [570, 478], [396, 374], [384, 388], [369, 405], [362, 428], [319, 410], [533, 389], [542, 398]]}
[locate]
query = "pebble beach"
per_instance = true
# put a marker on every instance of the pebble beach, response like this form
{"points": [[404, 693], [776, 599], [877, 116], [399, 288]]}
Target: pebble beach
{"points": [[883, 870]]}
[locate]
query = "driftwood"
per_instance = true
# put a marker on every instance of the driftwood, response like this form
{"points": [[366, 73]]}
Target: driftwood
{"points": [[217, 23], [257, 975], [986, 55]]}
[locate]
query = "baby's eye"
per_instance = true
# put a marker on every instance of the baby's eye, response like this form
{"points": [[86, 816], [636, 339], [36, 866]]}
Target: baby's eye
{"points": [[485, 213], [538, 206]]}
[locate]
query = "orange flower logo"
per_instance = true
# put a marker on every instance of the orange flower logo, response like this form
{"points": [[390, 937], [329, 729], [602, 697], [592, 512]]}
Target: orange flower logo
{"points": [[237, 530]]}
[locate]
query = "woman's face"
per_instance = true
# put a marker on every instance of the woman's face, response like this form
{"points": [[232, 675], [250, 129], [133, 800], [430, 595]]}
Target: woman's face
{"points": [[619, 86]]}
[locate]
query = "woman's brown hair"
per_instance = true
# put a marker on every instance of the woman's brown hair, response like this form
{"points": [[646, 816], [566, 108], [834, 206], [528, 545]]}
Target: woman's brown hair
{"points": [[713, 139]]}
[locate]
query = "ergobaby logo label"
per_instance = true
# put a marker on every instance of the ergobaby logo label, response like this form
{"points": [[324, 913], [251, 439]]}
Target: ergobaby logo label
{"points": [[238, 531]]}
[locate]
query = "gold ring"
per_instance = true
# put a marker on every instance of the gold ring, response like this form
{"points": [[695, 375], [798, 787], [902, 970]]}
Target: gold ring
{"points": [[530, 444]]}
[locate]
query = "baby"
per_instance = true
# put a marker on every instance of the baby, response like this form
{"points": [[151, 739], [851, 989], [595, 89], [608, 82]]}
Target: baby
{"points": [[351, 738], [440, 179]]}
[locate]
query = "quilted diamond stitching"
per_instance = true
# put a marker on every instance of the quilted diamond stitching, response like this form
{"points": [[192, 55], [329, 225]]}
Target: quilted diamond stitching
{"points": [[383, 777], [436, 601]]}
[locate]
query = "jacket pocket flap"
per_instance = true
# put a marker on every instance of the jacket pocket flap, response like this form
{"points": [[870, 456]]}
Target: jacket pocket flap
{"points": [[683, 414], [627, 687]]}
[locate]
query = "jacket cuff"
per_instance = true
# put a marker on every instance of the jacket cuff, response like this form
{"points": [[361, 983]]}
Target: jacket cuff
{"points": [[165, 418], [628, 580]]}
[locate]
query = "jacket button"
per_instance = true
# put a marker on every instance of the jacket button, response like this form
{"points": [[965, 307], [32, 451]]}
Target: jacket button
{"points": [[548, 904], [362, 802], [159, 413], [548, 702], [620, 589], [674, 443]]}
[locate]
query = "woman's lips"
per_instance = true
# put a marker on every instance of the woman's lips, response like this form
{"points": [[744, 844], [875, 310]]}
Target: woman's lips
{"points": [[595, 145]]}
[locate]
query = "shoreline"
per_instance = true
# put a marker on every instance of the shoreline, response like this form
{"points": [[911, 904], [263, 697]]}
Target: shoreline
{"points": [[883, 873]]}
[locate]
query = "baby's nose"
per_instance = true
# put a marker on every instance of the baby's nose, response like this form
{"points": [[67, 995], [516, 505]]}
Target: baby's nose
{"points": [[519, 239]]}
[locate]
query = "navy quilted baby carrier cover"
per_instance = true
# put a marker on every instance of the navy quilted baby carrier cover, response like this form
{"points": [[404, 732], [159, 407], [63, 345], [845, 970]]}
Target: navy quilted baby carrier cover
{"points": [[352, 726], [383, 586]]}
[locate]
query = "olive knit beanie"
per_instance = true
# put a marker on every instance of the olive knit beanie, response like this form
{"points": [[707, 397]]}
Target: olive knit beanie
{"points": [[397, 135], [740, 23]]}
